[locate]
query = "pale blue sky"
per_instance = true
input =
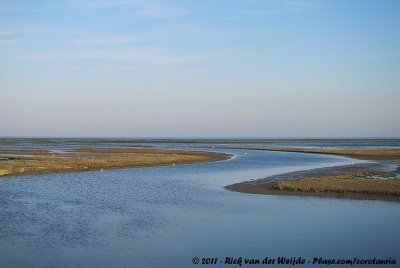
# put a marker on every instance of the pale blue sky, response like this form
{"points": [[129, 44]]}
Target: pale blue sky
{"points": [[206, 68]]}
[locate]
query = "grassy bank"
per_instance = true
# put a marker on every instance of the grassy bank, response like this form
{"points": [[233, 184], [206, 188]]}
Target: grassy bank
{"points": [[364, 181], [18, 162], [273, 188]]}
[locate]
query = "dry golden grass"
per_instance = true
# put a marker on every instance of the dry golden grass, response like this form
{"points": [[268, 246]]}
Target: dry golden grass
{"points": [[348, 183], [25, 152], [42, 161]]}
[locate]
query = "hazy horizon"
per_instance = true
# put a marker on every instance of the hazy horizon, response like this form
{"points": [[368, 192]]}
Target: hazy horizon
{"points": [[199, 137], [200, 69]]}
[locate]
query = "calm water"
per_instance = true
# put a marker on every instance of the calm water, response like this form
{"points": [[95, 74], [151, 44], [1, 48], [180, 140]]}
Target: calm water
{"points": [[165, 216]]}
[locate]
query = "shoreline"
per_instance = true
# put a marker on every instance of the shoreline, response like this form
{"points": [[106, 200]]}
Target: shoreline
{"points": [[367, 154], [366, 181], [28, 162], [372, 180]]}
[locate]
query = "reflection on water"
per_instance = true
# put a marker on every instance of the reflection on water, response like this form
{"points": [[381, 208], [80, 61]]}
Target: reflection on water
{"points": [[165, 216]]}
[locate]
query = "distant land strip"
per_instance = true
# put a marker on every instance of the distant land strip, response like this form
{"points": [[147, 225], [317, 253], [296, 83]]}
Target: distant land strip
{"points": [[377, 154], [22, 162]]}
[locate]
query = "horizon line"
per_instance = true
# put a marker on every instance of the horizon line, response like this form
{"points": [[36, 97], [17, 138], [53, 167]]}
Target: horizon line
{"points": [[194, 137]]}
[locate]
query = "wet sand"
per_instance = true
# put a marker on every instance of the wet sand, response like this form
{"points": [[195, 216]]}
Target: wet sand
{"points": [[374, 180], [367, 154]]}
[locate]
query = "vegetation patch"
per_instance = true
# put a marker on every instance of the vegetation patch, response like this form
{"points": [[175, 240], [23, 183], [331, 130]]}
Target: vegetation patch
{"points": [[346, 183], [43, 161]]}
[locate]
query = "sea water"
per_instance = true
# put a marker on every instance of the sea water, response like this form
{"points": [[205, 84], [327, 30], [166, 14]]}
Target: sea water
{"points": [[167, 216]]}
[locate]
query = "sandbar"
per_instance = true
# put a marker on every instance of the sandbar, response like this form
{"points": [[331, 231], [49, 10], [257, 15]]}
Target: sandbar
{"points": [[22, 162], [375, 180]]}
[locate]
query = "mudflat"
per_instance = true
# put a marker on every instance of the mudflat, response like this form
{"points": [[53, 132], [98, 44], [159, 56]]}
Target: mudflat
{"points": [[378, 154]]}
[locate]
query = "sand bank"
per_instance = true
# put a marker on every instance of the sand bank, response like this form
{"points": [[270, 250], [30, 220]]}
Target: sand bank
{"points": [[374, 180], [19, 162]]}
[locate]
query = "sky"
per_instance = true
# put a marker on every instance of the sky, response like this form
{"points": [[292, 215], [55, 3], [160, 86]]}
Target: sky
{"points": [[205, 68]]}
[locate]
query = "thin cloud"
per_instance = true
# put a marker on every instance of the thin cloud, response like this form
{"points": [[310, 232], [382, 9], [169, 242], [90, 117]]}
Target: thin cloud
{"points": [[7, 37], [40, 6], [153, 56], [377, 56], [6, 41], [258, 12], [159, 12], [107, 3], [24, 7], [149, 56], [6, 33], [146, 9], [104, 40], [302, 4], [140, 8], [275, 8]]}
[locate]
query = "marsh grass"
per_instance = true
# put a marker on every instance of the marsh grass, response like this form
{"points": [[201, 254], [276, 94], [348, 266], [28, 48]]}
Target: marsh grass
{"points": [[43, 161], [359, 183]]}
